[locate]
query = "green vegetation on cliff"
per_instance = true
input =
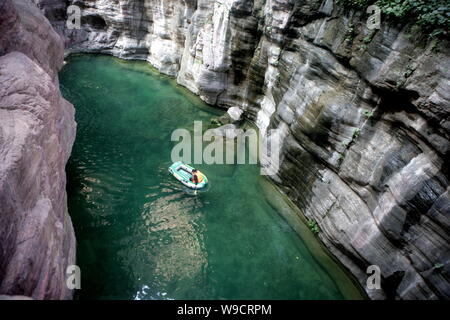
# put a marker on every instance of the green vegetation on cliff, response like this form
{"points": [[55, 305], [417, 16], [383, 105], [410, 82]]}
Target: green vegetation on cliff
{"points": [[431, 16]]}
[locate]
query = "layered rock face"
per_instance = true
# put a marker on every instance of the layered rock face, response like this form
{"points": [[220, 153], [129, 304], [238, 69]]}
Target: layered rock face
{"points": [[363, 116], [37, 130]]}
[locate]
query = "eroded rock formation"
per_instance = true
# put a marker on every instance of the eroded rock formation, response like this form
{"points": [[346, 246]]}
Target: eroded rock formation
{"points": [[363, 115], [37, 130]]}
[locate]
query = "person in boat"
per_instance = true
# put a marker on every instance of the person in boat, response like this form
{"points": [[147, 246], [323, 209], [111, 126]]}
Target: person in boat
{"points": [[195, 176]]}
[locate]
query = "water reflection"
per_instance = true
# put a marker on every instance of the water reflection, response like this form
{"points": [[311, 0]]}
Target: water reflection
{"points": [[175, 220]]}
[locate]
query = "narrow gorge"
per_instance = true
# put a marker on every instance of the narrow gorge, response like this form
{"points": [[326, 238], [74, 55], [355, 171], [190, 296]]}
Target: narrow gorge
{"points": [[363, 116]]}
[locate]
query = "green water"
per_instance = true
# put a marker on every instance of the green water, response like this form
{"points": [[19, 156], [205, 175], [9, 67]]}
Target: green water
{"points": [[140, 234]]}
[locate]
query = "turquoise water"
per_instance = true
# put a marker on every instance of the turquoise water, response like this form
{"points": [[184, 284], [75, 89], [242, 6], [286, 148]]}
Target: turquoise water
{"points": [[140, 234]]}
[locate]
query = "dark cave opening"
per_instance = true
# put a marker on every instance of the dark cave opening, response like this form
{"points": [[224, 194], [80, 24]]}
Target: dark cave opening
{"points": [[95, 21]]}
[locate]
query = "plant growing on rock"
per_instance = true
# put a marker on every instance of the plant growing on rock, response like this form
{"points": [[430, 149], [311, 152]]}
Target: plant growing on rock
{"points": [[438, 265], [313, 226], [367, 39], [430, 16], [341, 158], [351, 33], [409, 71], [368, 113], [363, 47]]}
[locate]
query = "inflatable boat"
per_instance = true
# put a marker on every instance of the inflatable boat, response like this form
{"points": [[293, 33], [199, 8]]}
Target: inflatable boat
{"points": [[183, 173]]}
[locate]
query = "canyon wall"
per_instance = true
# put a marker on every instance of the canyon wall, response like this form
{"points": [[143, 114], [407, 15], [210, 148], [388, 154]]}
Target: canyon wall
{"points": [[363, 115], [37, 130]]}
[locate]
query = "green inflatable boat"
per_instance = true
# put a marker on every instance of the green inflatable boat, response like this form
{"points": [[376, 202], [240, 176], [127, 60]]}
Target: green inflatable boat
{"points": [[183, 173]]}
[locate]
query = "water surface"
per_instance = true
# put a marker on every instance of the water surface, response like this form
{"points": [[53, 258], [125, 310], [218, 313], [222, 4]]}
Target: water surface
{"points": [[140, 234]]}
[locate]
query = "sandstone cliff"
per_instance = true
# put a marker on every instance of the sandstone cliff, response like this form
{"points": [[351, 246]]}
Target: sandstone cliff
{"points": [[363, 116], [37, 130]]}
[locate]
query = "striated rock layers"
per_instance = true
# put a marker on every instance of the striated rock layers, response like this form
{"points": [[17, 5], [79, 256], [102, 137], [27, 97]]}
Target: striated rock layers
{"points": [[363, 115], [37, 130]]}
